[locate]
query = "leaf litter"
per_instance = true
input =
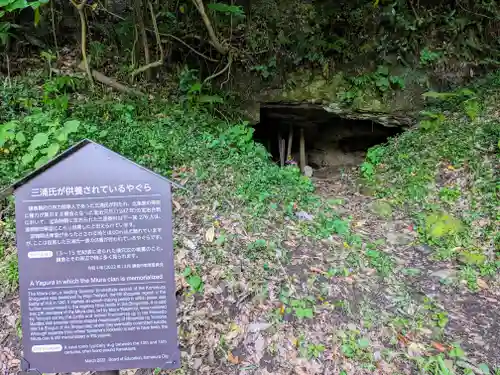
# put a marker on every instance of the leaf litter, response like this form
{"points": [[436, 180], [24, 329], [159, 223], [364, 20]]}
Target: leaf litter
{"points": [[276, 300]]}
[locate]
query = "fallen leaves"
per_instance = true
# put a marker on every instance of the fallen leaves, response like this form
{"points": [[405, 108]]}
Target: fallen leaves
{"points": [[210, 235], [176, 204], [439, 347], [482, 284], [232, 358], [258, 327], [416, 349], [317, 270], [234, 331]]}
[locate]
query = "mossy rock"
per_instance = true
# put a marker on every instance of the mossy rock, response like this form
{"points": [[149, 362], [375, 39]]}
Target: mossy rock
{"points": [[472, 258], [382, 209], [439, 225]]}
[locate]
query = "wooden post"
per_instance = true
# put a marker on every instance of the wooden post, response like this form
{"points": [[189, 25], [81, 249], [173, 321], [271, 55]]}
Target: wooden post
{"points": [[290, 139], [302, 150], [282, 152], [280, 149]]}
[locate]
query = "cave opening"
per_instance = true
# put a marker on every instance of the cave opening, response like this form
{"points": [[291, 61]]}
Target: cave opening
{"points": [[329, 141]]}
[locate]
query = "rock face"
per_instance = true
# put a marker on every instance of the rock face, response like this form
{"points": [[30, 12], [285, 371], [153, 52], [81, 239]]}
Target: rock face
{"points": [[392, 108]]}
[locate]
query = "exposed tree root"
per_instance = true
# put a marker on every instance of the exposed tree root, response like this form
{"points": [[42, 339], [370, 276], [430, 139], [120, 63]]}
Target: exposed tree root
{"points": [[83, 26], [160, 61], [211, 33], [99, 77]]}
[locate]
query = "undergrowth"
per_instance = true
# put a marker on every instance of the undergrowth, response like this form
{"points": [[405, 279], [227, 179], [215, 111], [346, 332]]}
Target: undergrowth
{"points": [[445, 174], [39, 122]]}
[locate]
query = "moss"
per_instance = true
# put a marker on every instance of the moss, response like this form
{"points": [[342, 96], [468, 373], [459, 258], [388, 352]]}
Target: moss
{"points": [[306, 86], [471, 258], [382, 209]]}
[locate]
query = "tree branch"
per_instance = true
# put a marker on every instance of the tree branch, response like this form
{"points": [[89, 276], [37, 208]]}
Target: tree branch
{"points": [[144, 37], [99, 77], [158, 41], [215, 75], [211, 33], [54, 27], [167, 35], [83, 26]]}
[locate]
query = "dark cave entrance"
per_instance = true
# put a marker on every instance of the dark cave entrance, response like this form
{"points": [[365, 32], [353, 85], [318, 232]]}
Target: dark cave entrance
{"points": [[330, 141]]}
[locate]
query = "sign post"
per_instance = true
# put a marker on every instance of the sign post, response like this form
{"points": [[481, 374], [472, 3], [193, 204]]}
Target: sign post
{"points": [[96, 273]]}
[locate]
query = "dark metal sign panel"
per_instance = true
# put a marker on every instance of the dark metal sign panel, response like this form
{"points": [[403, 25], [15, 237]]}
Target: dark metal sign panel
{"points": [[96, 269]]}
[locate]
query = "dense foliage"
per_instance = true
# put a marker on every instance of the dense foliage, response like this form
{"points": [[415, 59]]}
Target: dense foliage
{"points": [[266, 37]]}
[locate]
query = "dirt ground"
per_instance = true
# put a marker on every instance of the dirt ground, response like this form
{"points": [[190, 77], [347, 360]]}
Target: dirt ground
{"points": [[383, 317]]}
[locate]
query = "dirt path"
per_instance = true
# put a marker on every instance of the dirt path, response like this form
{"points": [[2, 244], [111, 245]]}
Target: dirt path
{"points": [[278, 301]]}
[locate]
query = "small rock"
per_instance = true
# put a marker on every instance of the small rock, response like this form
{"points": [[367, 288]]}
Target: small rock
{"points": [[424, 249], [5, 311], [14, 362], [415, 350], [12, 320], [211, 356], [377, 356], [399, 239], [258, 327], [444, 274], [189, 244], [367, 191], [399, 261], [352, 327], [197, 363], [259, 344], [308, 171], [302, 215], [482, 284]]}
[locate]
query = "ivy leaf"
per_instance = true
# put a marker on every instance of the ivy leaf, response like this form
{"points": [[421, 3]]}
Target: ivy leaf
{"points": [[27, 158], [363, 343], [187, 272], [484, 368], [4, 3], [16, 4], [195, 282], [20, 138], [457, 352], [347, 350], [304, 313], [384, 70], [39, 140], [44, 159], [62, 136], [52, 150], [195, 88], [71, 126]]}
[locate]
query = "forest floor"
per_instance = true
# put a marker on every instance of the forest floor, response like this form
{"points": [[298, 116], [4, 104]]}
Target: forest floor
{"points": [[280, 274]]}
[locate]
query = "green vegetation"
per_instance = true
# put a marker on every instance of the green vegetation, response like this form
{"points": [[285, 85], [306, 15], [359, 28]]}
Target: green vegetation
{"points": [[444, 174], [347, 264]]}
